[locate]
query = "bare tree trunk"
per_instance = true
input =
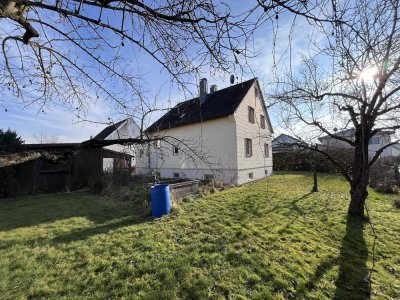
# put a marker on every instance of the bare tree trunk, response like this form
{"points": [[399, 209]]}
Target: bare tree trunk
{"points": [[315, 187], [359, 185], [358, 194]]}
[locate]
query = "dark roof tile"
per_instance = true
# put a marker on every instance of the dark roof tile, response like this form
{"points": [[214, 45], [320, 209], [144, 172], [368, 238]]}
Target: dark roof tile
{"points": [[108, 130], [219, 104]]}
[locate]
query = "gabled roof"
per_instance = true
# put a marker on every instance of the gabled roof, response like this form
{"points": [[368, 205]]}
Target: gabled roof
{"points": [[349, 133], [108, 130], [219, 104], [285, 140]]}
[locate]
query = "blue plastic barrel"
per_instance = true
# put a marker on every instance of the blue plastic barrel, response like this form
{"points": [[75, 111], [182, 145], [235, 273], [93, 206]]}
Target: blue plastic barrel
{"points": [[160, 200]]}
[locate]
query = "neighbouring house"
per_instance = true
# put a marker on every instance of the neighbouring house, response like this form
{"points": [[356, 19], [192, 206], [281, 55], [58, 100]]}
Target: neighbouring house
{"points": [[119, 156], [285, 143], [222, 134], [378, 141]]}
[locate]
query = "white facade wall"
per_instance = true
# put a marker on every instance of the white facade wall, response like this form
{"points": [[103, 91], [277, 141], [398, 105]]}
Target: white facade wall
{"points": [[214, 140], [257, 164]]}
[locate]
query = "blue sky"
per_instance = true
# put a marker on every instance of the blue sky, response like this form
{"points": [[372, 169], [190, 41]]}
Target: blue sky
{"points": [[31, 123]]}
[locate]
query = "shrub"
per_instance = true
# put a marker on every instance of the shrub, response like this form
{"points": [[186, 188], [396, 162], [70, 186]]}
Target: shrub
{"points": [[396, 203], [133, 193], [385, 185]]}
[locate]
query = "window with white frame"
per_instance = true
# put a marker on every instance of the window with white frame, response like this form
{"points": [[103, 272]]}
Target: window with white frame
{"points": [[248, 147], [251, 175], [175, 150], [251, 114], [266, 150], [262, 121], [176, 175], [141, 153]]}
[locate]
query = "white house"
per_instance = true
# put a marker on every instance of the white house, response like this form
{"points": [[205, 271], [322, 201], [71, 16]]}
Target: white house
{"points": [[121, 130], [378, 141], [224, 134]]}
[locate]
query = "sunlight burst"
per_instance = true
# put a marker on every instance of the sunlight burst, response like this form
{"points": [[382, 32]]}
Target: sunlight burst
{"points": [[368, 74]]}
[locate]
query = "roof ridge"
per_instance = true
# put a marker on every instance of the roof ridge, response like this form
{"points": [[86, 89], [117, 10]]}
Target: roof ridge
{"points": [[217, 91], [221, 103]]}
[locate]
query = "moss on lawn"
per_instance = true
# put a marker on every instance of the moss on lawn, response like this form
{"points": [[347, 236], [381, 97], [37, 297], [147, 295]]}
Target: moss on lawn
{"points": [[268, 240]]}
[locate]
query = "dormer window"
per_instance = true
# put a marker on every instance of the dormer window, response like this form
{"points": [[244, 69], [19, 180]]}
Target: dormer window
{"points": [[251, 114], [262, 121]]}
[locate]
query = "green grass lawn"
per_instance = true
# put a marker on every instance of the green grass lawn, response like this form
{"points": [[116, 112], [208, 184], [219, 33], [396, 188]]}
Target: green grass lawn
{"points": [[268, 240]]}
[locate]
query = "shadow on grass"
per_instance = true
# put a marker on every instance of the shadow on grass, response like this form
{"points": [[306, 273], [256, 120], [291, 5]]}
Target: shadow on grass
{"points": [[353, 278], [86, 233], [31, 211]]}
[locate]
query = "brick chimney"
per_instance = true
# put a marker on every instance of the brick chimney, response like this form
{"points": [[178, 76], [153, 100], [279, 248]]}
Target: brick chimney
{"points": [[213, 88], [203, 90]]}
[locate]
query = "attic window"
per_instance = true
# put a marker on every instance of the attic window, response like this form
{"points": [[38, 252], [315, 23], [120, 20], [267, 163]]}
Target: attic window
{"points": [[262, 121], [257, 92], [251, 114]]}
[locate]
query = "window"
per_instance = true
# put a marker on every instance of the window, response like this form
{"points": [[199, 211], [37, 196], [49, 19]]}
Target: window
{"points": [[266, 172], [176, 175], [248, 147], [262, 121], [141, 152], [208, 176], [251, 175], [374, 140], [266, 150], [175, 151], [257, 92], [251, 114]]}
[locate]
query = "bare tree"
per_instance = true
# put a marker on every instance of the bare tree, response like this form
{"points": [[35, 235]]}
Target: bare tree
{"points": [[78, 52], [351, 82]]}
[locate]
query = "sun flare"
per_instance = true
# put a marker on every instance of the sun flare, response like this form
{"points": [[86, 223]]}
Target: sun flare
{"points": [[368, 74]]}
